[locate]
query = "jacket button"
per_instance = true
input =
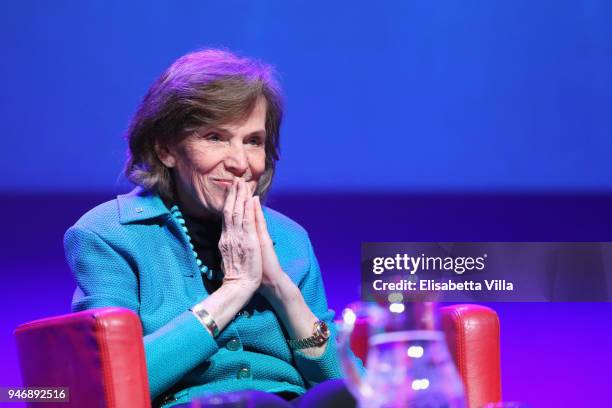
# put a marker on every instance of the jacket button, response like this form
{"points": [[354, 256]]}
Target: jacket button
{"points": [[233, 345], [243, 373]]}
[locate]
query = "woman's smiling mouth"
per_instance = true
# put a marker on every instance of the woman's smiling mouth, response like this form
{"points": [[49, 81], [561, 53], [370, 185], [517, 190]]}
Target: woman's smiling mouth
{"points": [[223, 182]]}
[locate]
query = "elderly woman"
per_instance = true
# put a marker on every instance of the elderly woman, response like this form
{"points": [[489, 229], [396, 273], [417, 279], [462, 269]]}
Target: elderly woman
{"points": [[229, 292]]}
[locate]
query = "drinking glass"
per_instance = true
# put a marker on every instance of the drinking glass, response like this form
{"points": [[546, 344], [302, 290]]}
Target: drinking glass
{"points": [[408, 362]]}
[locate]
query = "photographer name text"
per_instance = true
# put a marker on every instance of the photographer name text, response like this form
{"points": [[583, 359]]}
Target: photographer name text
{"points": [[444, 286]]}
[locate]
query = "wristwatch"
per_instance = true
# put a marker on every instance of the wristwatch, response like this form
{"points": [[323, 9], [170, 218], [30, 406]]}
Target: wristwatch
{"points": [[319, 337]]}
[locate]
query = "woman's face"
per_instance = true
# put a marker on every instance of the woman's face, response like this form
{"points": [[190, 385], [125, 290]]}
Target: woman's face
{"points": [[206, 162]]}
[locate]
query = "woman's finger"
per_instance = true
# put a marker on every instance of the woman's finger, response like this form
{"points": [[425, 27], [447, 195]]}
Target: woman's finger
{"points": [[241, 195], [262, 228], [228, 207], [248, 222]]}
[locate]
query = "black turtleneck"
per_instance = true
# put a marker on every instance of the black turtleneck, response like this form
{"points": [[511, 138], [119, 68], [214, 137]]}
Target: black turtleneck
{"points": [[205, 239]]}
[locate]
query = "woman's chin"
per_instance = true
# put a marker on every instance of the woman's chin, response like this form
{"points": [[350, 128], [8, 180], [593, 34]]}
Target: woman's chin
{"points": [[214, 210]]}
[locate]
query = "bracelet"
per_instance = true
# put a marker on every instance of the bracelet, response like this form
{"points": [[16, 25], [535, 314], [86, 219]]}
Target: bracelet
{"points": [[206, 320]]}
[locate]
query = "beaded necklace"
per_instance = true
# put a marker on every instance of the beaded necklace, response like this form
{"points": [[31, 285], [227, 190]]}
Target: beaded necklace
{"points": [[178, 216]]}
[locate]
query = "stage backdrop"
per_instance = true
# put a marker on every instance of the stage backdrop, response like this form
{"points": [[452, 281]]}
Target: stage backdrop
{"points": [[405, 121], [394, 95]]}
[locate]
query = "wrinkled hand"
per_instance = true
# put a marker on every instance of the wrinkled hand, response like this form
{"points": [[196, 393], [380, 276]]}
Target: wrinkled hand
{"points": [[282, 293], [274, 278], [239, 242]]}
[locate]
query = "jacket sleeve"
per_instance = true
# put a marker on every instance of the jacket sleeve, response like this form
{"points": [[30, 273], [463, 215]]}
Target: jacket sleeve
{"points": [[105, 277], [326, 366]]}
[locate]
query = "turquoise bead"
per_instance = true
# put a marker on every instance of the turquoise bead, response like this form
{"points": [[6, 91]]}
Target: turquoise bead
{"points": [[176, 213]]}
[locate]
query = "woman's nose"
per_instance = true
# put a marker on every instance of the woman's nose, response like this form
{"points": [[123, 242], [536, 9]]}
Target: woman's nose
{"points": [[236, 160]]}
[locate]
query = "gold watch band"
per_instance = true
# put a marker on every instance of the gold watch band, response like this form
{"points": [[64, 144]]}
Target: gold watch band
{"points": [[318, 338]]}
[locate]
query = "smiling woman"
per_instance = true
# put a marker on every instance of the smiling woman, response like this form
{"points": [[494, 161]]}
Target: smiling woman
{"points": [[192, 250], [207, 162], [201, 94]]}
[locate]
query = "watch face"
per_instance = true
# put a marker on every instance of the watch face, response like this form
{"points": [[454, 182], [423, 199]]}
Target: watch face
{"points": [[323, 330]]}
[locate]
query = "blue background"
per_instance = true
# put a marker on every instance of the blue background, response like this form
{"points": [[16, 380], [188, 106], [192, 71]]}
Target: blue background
{"points": [[406, 121], [415, 95]]}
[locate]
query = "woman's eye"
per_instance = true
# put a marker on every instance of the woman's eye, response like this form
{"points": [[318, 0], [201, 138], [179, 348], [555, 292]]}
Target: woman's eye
{"points": [[213, 137], [255, 141]]}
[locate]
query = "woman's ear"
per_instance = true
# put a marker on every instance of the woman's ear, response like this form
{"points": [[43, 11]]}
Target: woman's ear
{"points": [[165, 154]]}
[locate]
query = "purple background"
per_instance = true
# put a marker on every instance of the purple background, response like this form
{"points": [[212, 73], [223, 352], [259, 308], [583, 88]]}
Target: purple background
{"points": [[553, 354], [390, 105]]}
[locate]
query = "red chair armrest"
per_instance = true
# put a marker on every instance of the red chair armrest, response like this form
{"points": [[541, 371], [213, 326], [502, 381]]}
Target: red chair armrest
{"points": [[472, 335], [97, 353]]}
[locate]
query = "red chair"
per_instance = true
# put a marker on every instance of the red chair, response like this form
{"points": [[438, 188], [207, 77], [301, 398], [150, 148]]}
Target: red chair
{"points": [[99, 355]]}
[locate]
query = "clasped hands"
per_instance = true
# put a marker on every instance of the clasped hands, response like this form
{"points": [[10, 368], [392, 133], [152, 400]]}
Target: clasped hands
{"points": [[250, 265], [249, 260]]}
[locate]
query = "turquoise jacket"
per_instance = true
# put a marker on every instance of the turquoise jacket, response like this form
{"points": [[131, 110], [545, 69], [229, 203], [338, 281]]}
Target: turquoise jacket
{"points": [[130, 252]]}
